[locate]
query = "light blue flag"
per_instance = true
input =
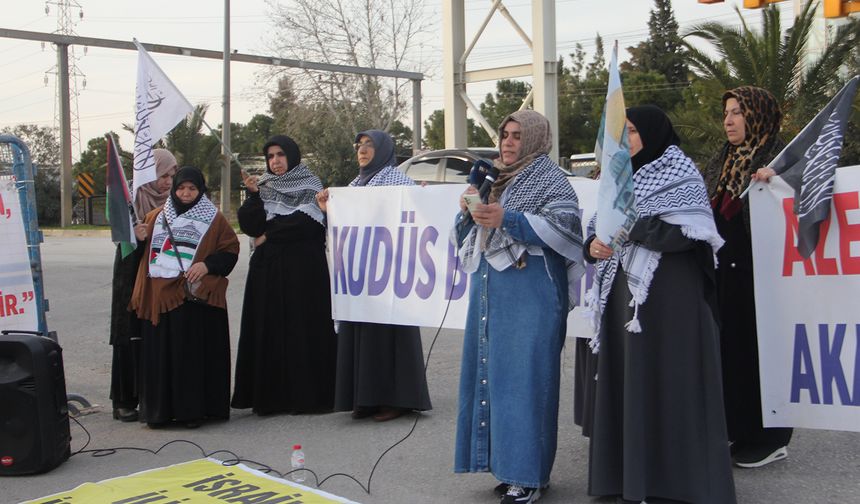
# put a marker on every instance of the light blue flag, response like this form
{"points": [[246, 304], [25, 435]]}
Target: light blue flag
{"points": [[616, 205]]}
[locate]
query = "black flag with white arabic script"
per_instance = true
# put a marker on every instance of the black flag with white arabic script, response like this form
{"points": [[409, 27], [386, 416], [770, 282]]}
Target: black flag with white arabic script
{"points": [[808, 164]]}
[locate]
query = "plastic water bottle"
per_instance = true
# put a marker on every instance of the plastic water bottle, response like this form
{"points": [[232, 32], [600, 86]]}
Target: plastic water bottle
{"points": [[298, 462]]}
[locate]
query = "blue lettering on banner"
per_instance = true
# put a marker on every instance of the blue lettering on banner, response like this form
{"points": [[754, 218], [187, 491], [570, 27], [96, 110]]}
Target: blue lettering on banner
{"points": [[371, 257], [803, 375]]}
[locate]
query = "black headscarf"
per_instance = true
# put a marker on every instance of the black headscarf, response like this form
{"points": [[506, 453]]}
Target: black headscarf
{"points": [[187, 174], [383, 154], [290, 148], [655, 130]]}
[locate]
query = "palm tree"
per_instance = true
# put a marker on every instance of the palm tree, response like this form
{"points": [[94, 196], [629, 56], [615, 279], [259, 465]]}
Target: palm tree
{"points": [[774, 60]]}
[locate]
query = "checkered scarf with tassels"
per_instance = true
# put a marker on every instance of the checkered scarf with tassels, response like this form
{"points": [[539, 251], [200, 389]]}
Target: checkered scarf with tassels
{"points": [[543, 194], [672, 188]]}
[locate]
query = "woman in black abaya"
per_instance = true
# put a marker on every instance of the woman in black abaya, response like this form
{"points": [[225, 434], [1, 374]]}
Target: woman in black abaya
{"points": [[659, 430], [287, 348]]}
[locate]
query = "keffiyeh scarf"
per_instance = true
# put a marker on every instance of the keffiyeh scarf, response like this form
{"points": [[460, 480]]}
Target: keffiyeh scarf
{"points": [[388, 176], [543, 194], [188, 231], [672, 188], [293, 191]]}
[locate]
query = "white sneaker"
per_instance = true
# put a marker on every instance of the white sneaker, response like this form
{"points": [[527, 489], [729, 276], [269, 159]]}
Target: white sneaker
{"points": [[758, 457]]}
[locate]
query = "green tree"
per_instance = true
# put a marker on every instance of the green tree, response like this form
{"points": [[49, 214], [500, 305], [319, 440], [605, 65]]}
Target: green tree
{"points": [[774, 60], [662, 53], [248, 139], [402, 136], [507, 99], [94, 161], [434, 132], [44, 148]]}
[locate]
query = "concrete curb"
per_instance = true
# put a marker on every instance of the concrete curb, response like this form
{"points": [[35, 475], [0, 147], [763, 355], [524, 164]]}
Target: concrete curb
{"points": [[54, 232]]}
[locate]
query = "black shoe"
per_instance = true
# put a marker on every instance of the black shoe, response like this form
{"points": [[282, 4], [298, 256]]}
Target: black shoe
{"points": [[125, 414], [758, 456], [502, 488], [520, 495]]}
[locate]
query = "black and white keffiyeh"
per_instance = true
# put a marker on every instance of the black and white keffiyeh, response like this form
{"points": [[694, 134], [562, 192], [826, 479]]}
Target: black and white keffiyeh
{"points": [[672, 188], [388, 176], [188, 229], [292, 191], [544, 195]]}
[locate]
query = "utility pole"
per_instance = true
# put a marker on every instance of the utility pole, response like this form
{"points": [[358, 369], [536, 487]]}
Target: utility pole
{"points": [[66, 118], [225, 121]]}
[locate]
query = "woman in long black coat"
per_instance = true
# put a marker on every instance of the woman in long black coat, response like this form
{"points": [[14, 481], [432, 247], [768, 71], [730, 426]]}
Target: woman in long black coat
{"points": [[752, 122], [288, 347], [659, 428]]}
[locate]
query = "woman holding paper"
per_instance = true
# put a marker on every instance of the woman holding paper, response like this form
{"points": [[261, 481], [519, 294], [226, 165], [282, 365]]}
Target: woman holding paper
{"points": [[287, 347], [124, 325], [752, 123], [523, 250], [659, 429], [380, 367], [180, 295]]}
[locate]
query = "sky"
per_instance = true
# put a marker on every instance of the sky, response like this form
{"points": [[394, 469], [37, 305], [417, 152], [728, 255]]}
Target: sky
{"points": [[107, 101]]}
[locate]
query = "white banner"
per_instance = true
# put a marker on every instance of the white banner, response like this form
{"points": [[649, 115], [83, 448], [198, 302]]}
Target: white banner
{"points": [[391, 261], [158, 107], [806, 309], [17, 298]]}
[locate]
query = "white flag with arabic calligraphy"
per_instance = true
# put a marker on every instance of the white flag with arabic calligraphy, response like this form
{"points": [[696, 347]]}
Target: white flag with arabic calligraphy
{"points": [[159, 106]]}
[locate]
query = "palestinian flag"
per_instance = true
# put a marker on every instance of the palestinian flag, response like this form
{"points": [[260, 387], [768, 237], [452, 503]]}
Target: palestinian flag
{"points": [[118, 211]]}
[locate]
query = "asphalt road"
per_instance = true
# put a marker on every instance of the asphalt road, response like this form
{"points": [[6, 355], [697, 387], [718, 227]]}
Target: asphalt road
{"points": [[822, 467]]}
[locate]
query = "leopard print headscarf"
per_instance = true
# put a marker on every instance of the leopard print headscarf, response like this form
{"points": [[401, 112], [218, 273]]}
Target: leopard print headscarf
{"points": [[536, 139], [762, 119]]}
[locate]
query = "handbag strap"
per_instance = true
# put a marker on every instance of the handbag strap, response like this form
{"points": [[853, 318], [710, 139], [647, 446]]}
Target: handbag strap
{"points": [[170, 235]]}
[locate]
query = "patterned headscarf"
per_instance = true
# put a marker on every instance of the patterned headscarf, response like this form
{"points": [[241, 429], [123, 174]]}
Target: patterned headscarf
{"points": [[295, 189], [762, 119], [148, 198], [536, 140]]}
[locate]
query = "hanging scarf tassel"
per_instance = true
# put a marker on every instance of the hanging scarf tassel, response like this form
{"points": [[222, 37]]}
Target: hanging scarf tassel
{"points": [[634, 326]]}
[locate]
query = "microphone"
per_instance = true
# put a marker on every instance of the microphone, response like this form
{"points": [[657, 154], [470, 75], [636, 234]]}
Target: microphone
{"points": [[487, 185], [482, 176]]}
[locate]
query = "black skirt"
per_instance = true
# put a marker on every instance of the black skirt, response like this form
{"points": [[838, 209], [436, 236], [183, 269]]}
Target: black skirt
{"points": [[287, 348], [659, 427], [185, 367], [380, 365], [124, 332]]}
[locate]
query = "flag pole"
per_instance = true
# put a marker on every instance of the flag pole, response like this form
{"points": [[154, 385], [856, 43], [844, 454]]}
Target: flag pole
{"points": [[233, 157]]}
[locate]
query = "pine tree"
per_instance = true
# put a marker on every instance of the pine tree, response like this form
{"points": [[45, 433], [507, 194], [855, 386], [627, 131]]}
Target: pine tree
{"points": [[662, 53]]}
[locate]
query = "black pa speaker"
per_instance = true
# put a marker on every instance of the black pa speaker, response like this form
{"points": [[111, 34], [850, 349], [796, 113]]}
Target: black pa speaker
{"points": [[34, 416]]}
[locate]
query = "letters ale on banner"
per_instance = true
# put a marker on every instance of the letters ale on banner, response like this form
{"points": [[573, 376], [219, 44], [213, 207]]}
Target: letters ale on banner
{"points": [[806, 309], [17, 300], [391, 260]]}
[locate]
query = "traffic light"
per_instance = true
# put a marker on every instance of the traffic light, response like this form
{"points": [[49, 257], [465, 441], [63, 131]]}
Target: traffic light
{"points": [[758, 4], [840, 8]]}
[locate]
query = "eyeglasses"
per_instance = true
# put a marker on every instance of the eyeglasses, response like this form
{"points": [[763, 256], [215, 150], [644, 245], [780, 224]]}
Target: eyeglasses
{"points": [[366, 144]]}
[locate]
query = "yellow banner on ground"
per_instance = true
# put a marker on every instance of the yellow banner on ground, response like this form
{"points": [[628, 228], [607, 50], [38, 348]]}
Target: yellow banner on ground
{"points": [[204, 481]]}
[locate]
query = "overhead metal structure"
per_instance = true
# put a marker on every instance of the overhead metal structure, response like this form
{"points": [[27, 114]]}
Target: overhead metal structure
{"points": [[543, 69], [64, 41]]}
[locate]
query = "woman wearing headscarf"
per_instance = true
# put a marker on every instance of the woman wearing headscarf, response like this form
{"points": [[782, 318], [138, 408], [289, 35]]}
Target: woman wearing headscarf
{"points": [[180, 295], [287, 347], [124, 325], [380, 367], [752, 123], [659, 430], [523, 251]]}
